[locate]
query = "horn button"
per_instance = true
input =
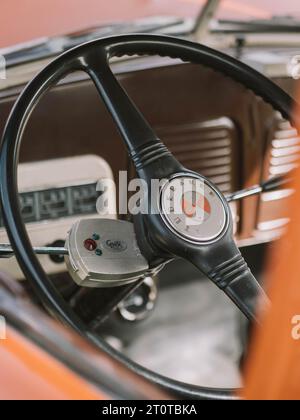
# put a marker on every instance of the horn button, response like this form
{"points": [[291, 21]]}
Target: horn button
{"points": [[193, 208]]}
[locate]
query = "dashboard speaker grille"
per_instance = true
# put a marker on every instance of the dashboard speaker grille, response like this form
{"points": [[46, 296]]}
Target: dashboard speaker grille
{"points": [[282, 156], [285, 148], [207, 148]]}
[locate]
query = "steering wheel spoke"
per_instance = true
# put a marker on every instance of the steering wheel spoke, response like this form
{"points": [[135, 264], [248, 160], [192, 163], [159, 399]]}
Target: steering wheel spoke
{"points": [[142, 142], [226, 268]]}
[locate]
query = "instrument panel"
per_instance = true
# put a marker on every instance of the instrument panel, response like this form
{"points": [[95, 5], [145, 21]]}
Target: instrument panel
{"points": [[54, 194], [56, 203]]}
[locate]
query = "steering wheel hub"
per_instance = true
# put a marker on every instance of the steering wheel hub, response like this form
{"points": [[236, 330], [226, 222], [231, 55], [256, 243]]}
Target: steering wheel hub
{"points": [[193, 208]]}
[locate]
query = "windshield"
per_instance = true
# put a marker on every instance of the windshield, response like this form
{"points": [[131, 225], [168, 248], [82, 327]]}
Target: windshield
{"points": [[34, 19], [257, 9]]}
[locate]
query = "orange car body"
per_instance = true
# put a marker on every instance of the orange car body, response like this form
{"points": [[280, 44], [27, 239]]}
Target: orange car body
{"points": [[28, 372]]}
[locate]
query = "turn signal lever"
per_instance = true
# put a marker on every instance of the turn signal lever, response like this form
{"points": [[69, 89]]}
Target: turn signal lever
{"points": [[6, 251], [267, 186]]}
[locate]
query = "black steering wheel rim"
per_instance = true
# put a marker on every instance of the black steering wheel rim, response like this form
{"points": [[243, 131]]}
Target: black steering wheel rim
{"points": [[60, 67]]}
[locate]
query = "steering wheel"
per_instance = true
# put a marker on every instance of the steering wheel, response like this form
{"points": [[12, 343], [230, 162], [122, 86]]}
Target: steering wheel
{"points": [[161, 234]]}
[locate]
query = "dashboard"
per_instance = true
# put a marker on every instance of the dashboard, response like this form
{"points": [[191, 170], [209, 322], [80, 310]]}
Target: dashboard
{"points": [[54, 194], [213, 126]]}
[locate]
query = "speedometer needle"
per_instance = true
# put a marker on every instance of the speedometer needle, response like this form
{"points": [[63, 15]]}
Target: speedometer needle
{"points": [[189, 208]]}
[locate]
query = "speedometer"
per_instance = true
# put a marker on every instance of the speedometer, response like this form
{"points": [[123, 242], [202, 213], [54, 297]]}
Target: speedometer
{"points": [[193, 208]]}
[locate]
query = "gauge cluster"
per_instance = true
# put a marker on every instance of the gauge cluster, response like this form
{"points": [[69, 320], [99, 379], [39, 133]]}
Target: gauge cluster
{"points": [[54, 194], [192, 208], [55, 203]]}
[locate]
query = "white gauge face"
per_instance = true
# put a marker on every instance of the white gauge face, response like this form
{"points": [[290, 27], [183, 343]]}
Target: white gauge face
{"points": [[193, 209]]}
